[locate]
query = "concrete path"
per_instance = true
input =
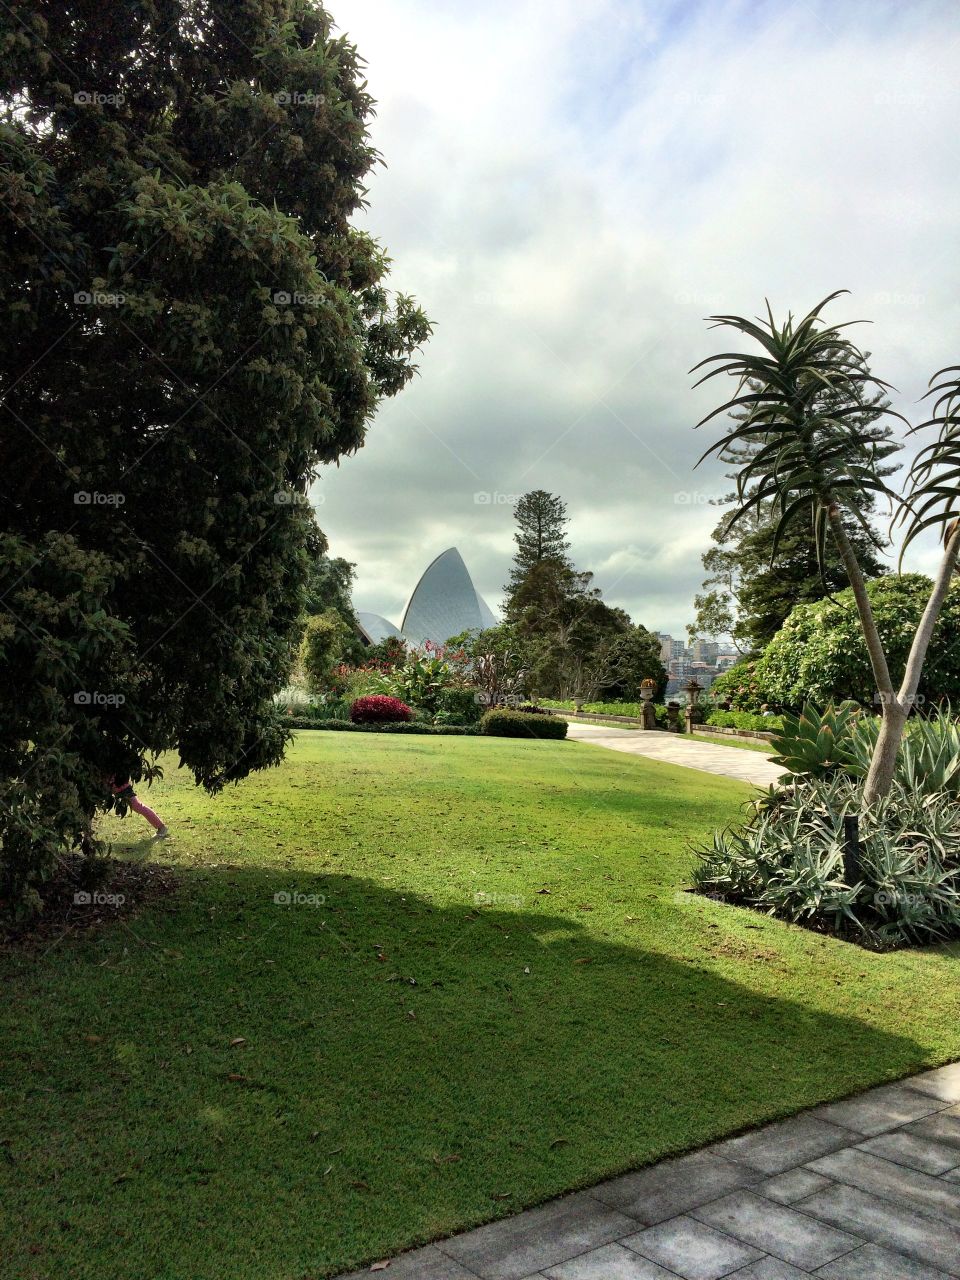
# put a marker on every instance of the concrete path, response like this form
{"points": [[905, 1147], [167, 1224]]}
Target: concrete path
{"points": [[867, 1189], [678, 748]]}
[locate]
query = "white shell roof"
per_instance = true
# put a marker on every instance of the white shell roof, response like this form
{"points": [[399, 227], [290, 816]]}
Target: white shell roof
{"points": [[444, 603]]}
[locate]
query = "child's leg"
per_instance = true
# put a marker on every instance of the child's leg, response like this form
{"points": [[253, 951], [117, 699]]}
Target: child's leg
{"points": [[145, 812]]}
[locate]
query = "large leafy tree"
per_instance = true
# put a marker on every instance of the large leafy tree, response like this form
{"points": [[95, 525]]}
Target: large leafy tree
{"points": [[192, 325], [810, 458]]}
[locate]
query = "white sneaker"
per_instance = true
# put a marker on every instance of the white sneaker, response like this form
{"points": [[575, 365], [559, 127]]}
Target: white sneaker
{"points": [[162, 834]]}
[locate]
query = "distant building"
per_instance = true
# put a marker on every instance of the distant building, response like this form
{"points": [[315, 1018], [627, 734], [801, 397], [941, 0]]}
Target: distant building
{"points": [[444, 603]]}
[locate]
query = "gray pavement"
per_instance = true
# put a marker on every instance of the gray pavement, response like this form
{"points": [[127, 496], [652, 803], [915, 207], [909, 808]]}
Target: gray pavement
{"points": [[865, 1189], [679, 748]]}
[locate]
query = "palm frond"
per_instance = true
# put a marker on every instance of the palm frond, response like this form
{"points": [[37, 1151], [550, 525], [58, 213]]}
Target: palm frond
{"points": [[799, 412]]}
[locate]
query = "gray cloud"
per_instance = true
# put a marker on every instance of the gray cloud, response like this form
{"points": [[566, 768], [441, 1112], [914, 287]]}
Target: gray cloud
{"points": [[571, 189]]}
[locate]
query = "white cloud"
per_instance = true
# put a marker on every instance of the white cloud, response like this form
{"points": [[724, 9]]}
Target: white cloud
{"points": [[571, 188]]}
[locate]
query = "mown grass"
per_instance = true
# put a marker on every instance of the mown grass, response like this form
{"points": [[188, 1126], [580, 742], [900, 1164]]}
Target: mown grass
{"points": [[506, 993]]}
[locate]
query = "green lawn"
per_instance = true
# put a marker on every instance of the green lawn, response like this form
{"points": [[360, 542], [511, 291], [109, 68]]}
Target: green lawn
{"points": [[441, 1041]]}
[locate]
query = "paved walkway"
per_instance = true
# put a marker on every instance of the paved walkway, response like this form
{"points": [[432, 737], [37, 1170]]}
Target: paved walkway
{"points": [[678, 748], [866, 1189]]}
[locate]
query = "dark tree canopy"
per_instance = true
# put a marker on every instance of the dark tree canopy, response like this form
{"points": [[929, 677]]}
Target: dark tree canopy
{"points": [[191, 327]]}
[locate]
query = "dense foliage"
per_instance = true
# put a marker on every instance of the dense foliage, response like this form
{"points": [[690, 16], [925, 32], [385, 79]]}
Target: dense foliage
{"points": [[572, 644], [503, 723], [820, 655], [747, 720], [379, 709], [788, 860], [191, 327]]}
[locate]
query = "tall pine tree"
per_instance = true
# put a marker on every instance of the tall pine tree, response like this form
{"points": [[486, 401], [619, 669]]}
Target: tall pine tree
{"points": [[541, 536]]}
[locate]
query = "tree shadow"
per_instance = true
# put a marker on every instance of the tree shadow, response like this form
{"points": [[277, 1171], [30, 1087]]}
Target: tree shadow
{"points": [[243, 1081]]}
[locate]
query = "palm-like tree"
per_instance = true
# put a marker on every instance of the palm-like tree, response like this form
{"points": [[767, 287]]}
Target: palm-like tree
{"points": [[800, 404]]}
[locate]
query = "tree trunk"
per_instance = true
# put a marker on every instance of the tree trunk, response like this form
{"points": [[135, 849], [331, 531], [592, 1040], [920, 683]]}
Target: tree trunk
{"points": [[878, 659], [895, 713]]}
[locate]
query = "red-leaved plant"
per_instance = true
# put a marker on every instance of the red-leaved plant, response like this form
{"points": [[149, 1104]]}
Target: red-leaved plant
{"points": [[379, 709]]}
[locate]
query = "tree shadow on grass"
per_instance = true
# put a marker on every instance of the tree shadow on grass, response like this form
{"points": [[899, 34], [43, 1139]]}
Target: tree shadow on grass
{"points": [[236, 1083]]}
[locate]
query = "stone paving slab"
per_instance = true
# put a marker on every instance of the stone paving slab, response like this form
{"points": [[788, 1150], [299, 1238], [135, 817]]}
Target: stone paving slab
{"points": [[777, 1229], [786, 1144], [875, 1263], [679, 748], [865, 1189], [880, 1110], [514, 1247]]}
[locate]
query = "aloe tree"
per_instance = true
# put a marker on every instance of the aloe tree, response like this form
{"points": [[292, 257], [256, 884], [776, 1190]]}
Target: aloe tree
{"points": [[799, 404]]}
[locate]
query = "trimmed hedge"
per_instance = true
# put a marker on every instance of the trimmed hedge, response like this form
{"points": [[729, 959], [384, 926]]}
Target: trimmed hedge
{"points": [[522, 724], [745, 720], [379, 708], [393, 726]]}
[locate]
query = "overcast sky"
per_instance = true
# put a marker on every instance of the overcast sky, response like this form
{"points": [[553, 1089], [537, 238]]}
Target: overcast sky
{"points": [[571, 186]]}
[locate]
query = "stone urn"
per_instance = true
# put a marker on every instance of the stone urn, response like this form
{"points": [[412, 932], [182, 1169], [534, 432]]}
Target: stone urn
{"points": [[647, 712], [694, 713]]}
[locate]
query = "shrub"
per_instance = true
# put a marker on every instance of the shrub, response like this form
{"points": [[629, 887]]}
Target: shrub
{"points": [[788, 861], [379, 709], [457, 706], [741, 686], [519, 724], [393, 726], [820, 654], [747, 720]]}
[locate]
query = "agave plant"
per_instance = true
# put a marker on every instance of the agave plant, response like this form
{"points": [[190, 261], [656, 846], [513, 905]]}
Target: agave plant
{"points": [[929, 756], [798, 404], [789, 862], [818, 744]]}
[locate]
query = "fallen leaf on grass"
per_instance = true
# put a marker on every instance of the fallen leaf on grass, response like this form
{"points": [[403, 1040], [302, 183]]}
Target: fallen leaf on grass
{"points": [[584, 960], [237, 1040], [441, 1160], [233, 1075], [361, 1186], [380, 1266], [501, 1195]]}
